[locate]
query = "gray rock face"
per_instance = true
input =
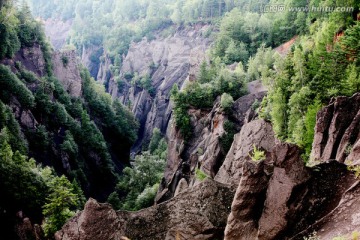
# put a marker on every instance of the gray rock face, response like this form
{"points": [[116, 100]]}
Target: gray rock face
{"points": [[167, 61], [58, 31], [248, 202], [337, 131], [66, 69], [197, 213], [25, 230], [289, 173], [31, 58], [258, 133], [204, 149], [280, 198]]}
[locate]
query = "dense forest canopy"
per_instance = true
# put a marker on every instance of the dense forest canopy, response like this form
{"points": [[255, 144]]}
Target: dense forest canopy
{"points": [[46, 168]]}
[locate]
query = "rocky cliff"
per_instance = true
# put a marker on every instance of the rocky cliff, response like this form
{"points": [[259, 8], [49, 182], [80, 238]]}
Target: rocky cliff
{"points": [[165, 61], [198, 213], [337, 134], [205, 150], [66, 69], [276, 198], [58, 31]]}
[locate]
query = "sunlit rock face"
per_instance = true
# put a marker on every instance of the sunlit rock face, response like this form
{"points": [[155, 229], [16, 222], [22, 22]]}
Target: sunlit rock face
{"points": [[197, 213], [166, 61]]}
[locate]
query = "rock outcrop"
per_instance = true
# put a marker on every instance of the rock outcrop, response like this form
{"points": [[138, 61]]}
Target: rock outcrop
{"points": [[248, 202], [25, 230], [66, 69], [204, 150], [32, 58], [197, 213], [167, 61], [58, 31], [337, 133], [258, 133], [280, 197], [288, 176], [342, 221]]}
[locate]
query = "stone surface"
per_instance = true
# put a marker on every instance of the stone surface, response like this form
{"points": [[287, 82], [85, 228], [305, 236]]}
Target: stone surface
{"points": [[342, 221], [248, 202], [25, 230], [96, 221], [197, 213], [258, 133], [170, 60], [31, 58], [289, 173], [337, 133], [58, 31], [66, 69], [293, 199]]}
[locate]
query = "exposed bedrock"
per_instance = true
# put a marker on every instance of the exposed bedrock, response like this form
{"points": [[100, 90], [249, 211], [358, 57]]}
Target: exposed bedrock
{"points": [[197, 213], [337, 131]]}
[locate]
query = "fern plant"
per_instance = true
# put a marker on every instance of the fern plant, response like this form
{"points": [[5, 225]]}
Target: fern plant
{"points": [[257, 154]]}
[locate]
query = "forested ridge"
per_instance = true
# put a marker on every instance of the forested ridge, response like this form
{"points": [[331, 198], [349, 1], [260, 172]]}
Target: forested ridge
{"points": [[80, 146], [48, 168]]}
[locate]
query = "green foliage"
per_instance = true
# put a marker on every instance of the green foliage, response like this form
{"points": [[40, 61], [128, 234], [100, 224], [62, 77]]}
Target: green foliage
{"points": [[140, 182], [310, 122], [257, 154], [64, 60], [10, 85], [200, 175], [9, 21], [146, 197], [29, 187], [155, 140], [60, 201], [214, 81], [114, 200], [144, 82], [25, 75], [351, 83], [226, 102], [227, 139], [11, 132], [21, 188]]}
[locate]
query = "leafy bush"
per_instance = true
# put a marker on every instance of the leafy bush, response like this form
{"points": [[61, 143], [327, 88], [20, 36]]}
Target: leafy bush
{"points": [[257, 154], [138, 184], [29, 187], [227, 139], [226, 102], [10, 85], [200, 175], [64, 60]]}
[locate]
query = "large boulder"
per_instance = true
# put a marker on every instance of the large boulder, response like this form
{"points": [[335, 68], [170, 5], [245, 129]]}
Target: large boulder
{"points": [[96, 221], [280, 198], [337, 132], [289, 174], [248, 202], [197, 213], [257, 133]]}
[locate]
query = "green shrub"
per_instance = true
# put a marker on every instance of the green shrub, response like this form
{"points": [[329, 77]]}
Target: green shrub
{"points": [[200, 175], [10, 85], [64, 60], [257, 154], [228, 137], [226, 102]]}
